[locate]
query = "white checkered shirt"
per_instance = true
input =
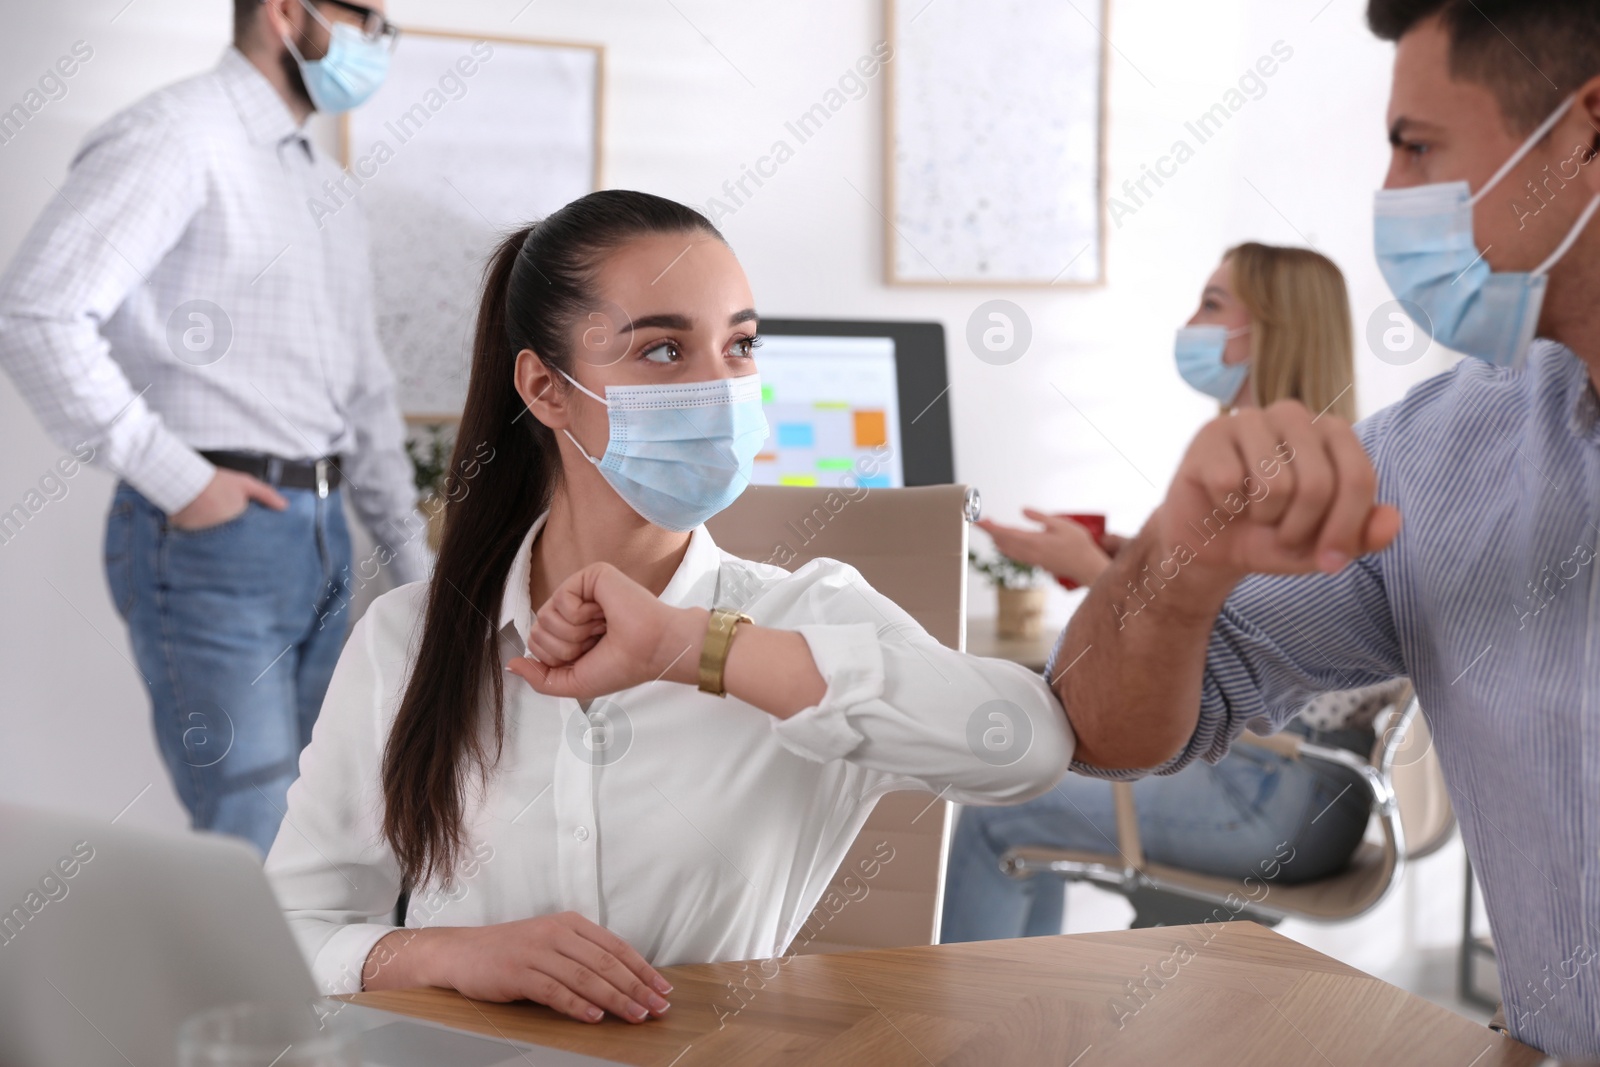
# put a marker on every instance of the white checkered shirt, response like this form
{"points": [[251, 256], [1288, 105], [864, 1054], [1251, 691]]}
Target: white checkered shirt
{"points": [[177, 296]]}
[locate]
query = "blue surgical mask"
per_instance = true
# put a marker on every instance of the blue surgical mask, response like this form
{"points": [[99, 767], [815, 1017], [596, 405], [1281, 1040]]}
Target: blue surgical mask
{"points": [[1199, 350], [1429, 257], [351, 71], [680, 453]]}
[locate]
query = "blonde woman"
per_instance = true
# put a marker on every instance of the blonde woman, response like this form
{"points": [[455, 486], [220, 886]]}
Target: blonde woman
{"points": [[1273, 324]]}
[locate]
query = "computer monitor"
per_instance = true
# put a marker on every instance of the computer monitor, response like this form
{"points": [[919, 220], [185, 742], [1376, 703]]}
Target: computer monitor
{"points": [[854, 403]]}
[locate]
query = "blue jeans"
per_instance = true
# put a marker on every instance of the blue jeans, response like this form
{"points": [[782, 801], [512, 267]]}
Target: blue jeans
{"points": [[236, 629], [1225, 820]]}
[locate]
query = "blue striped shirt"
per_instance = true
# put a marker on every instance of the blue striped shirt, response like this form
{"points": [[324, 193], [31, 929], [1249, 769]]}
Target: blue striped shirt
{"points": [[1489, 601]]}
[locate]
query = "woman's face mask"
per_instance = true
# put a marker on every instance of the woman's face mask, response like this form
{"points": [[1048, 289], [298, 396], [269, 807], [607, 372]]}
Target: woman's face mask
{"points": [[680, 453], [1199, 351]]}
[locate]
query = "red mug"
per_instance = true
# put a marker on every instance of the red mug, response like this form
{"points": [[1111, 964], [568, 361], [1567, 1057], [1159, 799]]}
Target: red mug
{"points": [[1096, 525]]}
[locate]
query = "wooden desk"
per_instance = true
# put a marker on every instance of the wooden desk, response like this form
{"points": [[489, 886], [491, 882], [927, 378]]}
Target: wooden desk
{"points": [[1245, 996], [982, 640]]}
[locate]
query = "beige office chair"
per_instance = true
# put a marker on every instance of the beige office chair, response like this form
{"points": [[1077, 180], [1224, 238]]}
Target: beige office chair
{"points": [[911, 545], [1404, 785]]}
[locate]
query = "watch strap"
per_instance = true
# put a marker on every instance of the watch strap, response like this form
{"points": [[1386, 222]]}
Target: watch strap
{"points": [[714, 652]]}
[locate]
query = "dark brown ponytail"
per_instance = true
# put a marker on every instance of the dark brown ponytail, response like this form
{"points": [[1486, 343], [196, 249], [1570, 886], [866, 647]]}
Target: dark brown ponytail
{"points": [[503, 471]]}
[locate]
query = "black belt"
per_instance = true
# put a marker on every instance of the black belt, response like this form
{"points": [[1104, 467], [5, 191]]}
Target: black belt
{"points": [[321, 474]]}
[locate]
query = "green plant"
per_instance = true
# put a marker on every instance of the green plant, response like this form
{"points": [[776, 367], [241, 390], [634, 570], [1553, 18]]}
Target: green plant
{"points": [[1004, 572], [429, 450]]}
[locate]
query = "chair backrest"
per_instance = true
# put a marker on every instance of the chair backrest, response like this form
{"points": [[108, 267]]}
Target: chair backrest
{"points": [[911, 546], [1418, 781]]}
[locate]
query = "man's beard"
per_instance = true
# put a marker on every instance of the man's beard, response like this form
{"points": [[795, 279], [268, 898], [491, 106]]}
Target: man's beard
{"points": [[297, 82]]}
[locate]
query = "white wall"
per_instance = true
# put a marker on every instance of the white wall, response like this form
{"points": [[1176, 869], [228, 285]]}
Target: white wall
{"points": [[696, 89]]}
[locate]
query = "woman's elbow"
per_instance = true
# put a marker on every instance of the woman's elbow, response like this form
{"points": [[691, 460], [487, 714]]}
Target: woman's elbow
{"points": [[1038, 762], [1051, 761]]}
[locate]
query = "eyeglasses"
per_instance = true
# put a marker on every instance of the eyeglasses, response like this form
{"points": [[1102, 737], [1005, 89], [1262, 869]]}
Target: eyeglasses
{"points": [[374, 27]]}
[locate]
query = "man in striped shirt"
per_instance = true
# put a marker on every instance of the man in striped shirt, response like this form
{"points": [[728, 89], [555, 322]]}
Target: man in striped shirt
{"points": [[179, 311], [1278, 567]]}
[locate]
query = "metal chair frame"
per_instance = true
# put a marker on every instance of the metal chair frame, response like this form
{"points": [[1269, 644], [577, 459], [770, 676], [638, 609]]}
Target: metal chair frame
{"points": [[1127, 872]]}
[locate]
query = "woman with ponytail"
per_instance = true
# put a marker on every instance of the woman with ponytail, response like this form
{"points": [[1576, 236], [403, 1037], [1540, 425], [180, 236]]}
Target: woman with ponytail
{"points": [[593, 743]]}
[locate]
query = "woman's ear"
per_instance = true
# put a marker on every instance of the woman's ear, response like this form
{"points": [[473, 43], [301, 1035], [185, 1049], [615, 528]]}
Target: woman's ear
{"points": [[540, 390]]}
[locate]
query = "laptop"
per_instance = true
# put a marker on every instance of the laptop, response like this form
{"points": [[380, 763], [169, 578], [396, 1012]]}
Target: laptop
{"points": [[111, 937]]}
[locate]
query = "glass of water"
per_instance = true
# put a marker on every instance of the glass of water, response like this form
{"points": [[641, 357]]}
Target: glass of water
{"points": [[267, 1034]]}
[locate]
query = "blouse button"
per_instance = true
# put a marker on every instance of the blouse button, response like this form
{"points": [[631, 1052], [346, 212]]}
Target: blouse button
{"points": [[581, 833]]}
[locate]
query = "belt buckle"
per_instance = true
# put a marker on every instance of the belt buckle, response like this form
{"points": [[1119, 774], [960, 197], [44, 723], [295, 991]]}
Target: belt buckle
{"points": [[322, 478]]}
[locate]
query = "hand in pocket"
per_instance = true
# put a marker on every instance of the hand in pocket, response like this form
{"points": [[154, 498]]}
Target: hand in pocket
{"points": [[225, 498]]}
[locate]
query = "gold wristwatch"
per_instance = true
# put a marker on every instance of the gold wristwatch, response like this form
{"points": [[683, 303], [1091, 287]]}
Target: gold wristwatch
{"points": [[714, 653]]}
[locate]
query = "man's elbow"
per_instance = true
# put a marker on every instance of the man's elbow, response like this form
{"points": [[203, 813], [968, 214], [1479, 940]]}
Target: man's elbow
{"points": [[1124, 750]]}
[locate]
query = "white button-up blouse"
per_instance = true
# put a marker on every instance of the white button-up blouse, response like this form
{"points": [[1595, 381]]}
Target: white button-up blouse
{"points": [[697, 828]]}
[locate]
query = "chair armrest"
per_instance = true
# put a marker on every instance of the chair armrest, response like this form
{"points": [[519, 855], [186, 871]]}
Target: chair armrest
{"points": [[1379, 788], [1380, 793]]}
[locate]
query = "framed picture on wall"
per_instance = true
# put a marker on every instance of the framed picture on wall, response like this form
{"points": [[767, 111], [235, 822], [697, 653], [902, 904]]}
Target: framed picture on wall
{"points": [[995, 142], [469, 138]]}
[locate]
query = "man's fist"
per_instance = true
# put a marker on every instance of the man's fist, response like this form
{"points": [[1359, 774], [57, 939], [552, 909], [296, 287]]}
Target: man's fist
{"points": [[1273, 491]]}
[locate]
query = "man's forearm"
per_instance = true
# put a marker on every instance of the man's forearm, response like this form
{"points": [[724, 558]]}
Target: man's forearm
{"points": [[82, 397], [1130, 664], [384, 498]]}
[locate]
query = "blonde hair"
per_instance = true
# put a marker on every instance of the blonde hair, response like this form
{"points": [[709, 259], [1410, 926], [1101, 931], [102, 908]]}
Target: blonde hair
{"points": [[1301, 341]]}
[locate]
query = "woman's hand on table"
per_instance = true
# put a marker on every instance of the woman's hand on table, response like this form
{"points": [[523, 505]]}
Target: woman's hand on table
{"points": [[563, 961]]}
